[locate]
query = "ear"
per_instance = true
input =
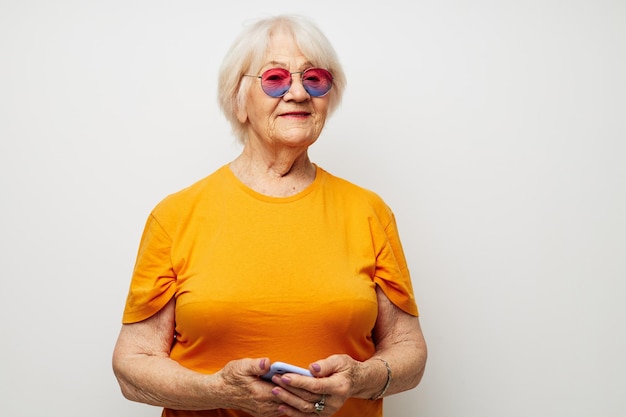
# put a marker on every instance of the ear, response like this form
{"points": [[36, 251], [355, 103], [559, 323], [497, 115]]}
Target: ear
{"points": [[240, 110]]}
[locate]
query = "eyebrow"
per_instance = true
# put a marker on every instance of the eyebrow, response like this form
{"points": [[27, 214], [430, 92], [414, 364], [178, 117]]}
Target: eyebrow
{"points": [[302, 67]]}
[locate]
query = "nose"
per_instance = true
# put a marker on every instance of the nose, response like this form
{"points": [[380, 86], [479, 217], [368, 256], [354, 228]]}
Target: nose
{"points": [[296, 91]]}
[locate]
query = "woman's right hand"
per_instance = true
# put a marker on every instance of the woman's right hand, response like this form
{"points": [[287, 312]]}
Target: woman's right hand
{"points": [[245, 390]]}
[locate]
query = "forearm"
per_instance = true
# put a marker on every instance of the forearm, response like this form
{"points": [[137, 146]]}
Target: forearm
{"points": [[162, 382], [407, 364], [400, 343], [407, 361]]}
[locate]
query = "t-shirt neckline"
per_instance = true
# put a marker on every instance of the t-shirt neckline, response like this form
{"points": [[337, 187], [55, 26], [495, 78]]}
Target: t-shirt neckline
{"points": [[271, 199]]}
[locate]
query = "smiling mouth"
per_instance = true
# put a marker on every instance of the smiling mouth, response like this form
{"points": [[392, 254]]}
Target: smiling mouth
{"points": [[296, 113]]}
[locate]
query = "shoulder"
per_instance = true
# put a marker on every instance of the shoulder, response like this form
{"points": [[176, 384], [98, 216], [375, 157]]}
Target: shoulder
{"points": [[356, 195], [183, 201]]}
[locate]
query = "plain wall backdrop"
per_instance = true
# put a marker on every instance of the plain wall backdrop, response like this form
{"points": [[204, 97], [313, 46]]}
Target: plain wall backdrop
{"points": [[495, 130]]}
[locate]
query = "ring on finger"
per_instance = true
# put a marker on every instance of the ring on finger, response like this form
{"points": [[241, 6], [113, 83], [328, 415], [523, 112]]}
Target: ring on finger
{"points": [[319, 406]]}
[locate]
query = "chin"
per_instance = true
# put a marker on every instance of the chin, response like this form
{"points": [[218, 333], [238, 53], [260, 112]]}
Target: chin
{"points": [[298, 139]]}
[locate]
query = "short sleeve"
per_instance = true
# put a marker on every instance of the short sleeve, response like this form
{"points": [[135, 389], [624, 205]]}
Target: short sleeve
{"points": [[153, 282], [392, 273]]}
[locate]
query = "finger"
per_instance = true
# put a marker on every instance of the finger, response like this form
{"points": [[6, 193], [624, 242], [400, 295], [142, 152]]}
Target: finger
{"points": [[259, 367], [331, 365], [325, 367], [304, 387], [302, 405], [320, 368]]}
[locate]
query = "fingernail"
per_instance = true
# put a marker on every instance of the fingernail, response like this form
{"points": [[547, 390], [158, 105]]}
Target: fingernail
{"points": [[262, 363], [285, 380], [275, 391], [316, 367]]}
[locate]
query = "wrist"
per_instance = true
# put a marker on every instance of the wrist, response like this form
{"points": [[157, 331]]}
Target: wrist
{"points": [[384, 389]]}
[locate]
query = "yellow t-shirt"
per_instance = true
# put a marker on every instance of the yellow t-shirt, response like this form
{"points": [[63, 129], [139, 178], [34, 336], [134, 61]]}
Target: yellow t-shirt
{"points": [[289, 278]]}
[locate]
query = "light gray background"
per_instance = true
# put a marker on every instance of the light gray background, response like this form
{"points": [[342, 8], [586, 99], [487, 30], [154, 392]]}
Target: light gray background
{"points": [[494, 129]]}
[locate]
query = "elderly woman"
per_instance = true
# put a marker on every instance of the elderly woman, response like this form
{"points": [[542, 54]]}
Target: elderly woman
{"points": [[271, 258]]}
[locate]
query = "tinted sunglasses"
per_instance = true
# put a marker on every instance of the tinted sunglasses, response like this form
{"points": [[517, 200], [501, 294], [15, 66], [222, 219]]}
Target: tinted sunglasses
{"points": [[275, 82]]}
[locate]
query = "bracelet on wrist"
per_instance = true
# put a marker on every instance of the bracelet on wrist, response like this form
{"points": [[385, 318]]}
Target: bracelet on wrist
{"points": [[379, 396]]}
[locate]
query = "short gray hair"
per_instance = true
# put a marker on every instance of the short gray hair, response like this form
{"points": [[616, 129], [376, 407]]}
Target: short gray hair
{"points": [[246, 54]]}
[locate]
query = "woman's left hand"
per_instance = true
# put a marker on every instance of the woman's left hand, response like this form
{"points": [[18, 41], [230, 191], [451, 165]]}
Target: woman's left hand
{"points": [[323, 395]]}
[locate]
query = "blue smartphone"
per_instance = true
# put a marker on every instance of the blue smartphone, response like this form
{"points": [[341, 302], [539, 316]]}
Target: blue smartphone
{"points": [[284, 368]]}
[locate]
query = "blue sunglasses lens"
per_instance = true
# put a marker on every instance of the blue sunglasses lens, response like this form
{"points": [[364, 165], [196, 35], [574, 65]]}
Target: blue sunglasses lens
{"points": [[277, 81]]}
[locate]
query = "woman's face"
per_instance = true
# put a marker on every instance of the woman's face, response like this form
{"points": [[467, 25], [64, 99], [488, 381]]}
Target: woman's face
{"points": [[295, 119]]}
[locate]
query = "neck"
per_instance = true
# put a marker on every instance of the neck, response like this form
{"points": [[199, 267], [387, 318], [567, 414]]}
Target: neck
{"points": [[276, 173]]}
